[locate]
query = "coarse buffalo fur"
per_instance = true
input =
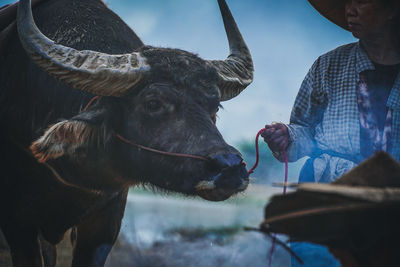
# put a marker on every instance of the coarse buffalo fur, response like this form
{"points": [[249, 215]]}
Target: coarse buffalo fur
{"points": [[61, 164], [172, 64]]}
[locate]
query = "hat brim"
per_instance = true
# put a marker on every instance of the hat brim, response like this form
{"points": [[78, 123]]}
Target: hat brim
{"points": [[333, 10]]}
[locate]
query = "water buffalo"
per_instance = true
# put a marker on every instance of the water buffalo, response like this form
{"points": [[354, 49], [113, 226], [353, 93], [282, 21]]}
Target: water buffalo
{"points": [[66, 164]]}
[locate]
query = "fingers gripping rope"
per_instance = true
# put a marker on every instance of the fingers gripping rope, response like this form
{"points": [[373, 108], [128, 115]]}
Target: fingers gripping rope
{"points": [[258, 158]]}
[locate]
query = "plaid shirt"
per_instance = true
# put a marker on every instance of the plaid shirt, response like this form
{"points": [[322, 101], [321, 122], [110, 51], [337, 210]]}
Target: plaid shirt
{"points": [[325, 114]]}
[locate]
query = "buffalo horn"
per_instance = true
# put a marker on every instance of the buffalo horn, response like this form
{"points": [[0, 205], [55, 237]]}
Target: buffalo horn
{"points": [[86, 70], [235, 72]]}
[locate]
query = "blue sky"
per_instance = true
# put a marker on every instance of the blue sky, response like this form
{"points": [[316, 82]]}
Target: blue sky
{"points": [[284, 36]]}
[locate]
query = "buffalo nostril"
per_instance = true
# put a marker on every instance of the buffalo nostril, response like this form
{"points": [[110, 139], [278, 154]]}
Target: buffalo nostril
{"points": [[232, 178], [223, 161]]}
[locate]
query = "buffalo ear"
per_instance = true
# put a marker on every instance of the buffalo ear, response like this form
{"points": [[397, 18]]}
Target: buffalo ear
{"points": [[90, 128], [64, 138]]}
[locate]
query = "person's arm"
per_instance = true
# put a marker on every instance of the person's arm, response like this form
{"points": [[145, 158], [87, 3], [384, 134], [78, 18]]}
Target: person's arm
{"points": [[297, 138]]}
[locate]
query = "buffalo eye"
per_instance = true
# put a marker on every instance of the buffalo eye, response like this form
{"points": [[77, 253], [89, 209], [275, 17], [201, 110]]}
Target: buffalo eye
{"points": [[153, 105]]}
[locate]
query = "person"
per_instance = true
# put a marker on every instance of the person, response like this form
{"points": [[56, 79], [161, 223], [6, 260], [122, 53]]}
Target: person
{"points": [[348, 106]]}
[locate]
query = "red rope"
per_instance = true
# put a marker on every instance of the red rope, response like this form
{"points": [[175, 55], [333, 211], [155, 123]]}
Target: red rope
{"points": [[271, 252], [257, 152], [286, 171], [284, 186], [181, 155], [91, 102]]}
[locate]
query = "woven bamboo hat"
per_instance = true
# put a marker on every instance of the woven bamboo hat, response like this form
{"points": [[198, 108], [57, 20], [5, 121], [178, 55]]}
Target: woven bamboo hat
{"points": [[334, 10]]}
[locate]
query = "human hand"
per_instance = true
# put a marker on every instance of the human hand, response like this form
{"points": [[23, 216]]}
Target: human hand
{"points": [[276, 136]]}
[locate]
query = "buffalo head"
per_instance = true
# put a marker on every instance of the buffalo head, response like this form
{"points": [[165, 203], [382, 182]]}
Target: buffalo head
{"points": [[163, 99]]}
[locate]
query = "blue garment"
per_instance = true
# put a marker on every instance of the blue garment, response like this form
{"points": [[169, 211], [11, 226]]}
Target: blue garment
{"points": [[312, 255]]}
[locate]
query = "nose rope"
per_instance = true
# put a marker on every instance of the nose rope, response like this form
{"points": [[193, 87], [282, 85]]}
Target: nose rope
{"points": [[181, 155], [284, 186], [91, 101]]}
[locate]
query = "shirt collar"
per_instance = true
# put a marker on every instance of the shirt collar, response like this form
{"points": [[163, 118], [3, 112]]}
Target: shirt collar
{"points": [[363, 62]]}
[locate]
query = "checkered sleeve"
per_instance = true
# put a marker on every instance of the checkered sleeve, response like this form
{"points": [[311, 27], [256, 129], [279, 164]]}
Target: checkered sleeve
{"points": [[306, 114]]}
